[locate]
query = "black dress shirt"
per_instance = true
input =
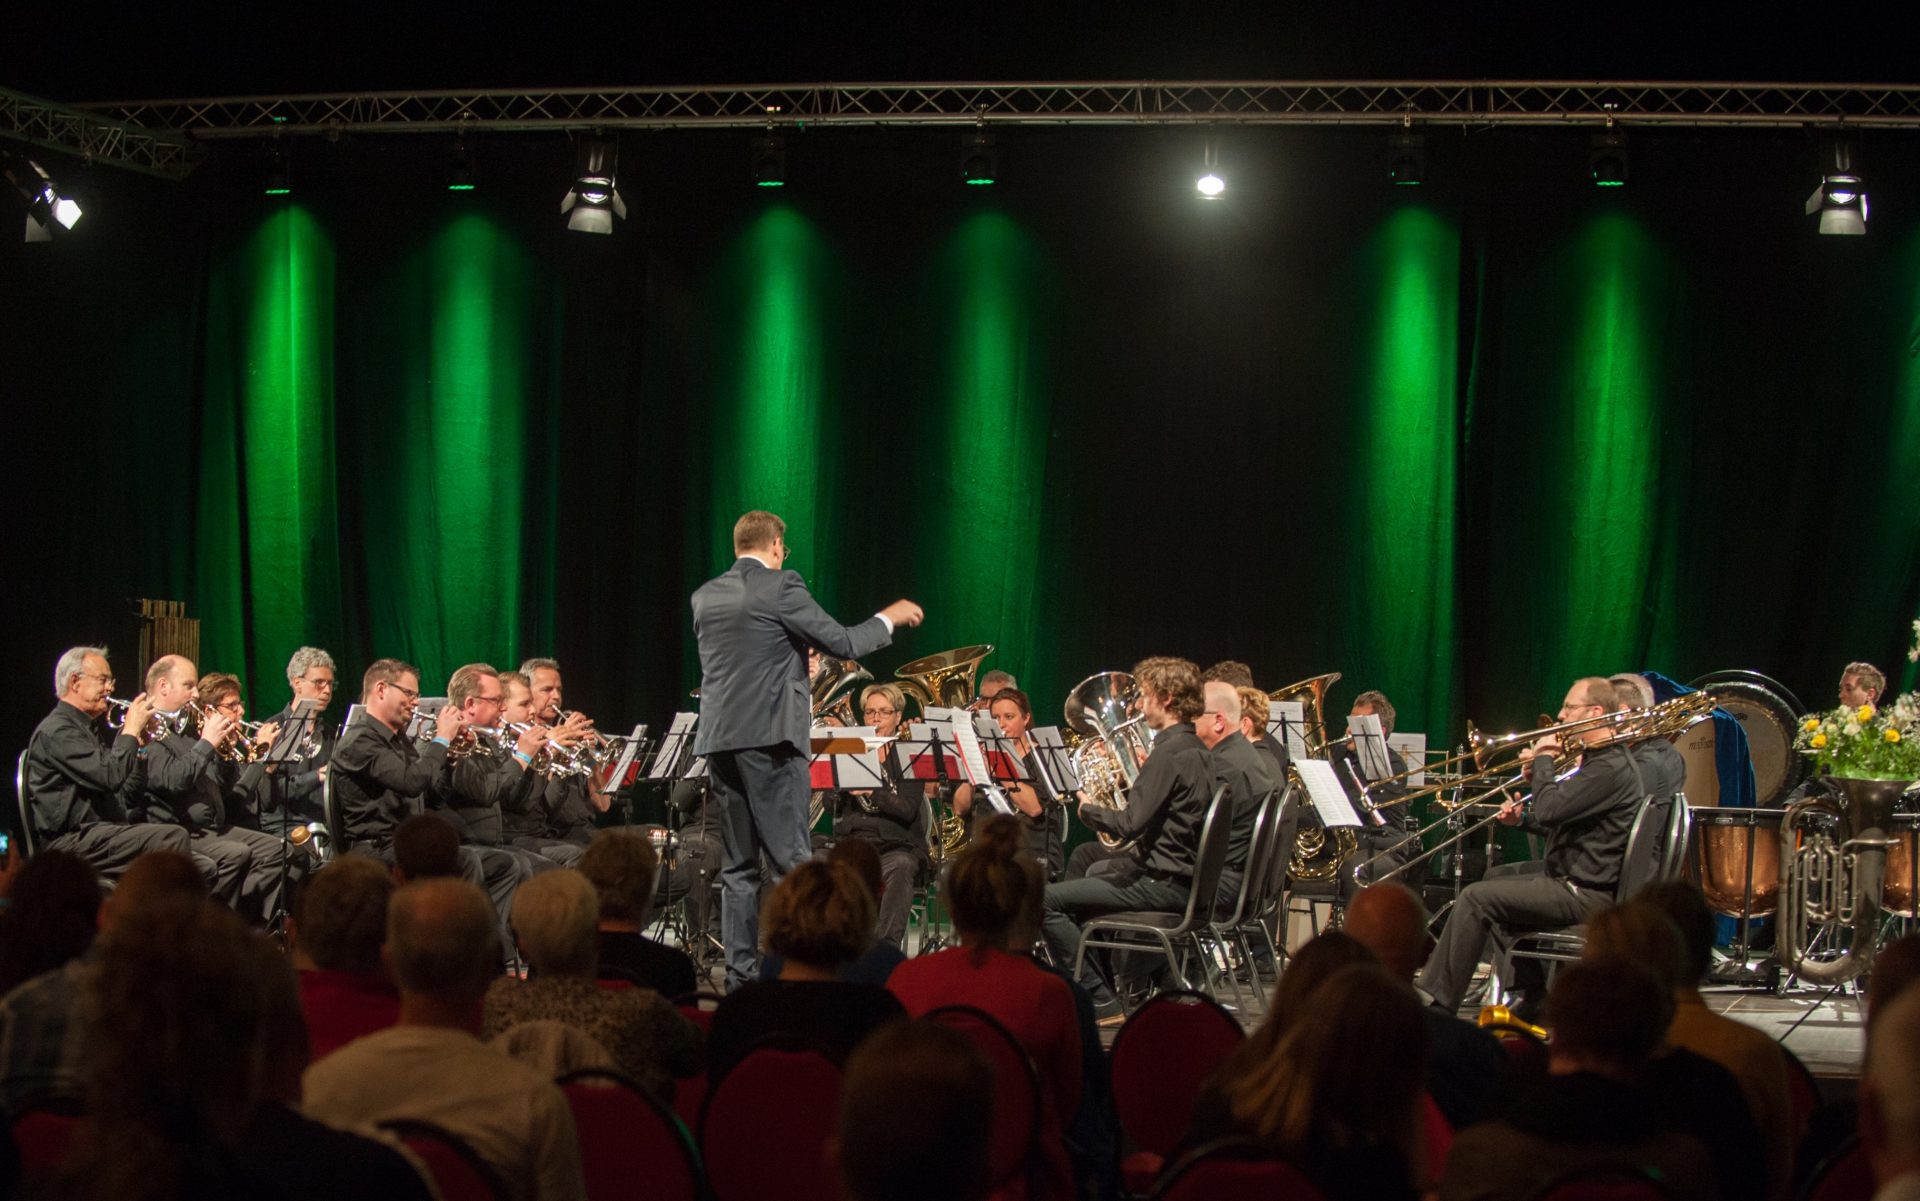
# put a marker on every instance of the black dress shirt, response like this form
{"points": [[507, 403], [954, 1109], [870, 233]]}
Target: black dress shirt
{"points": [[1662, 766], [552, 808], [1588, 816], [479, 788], [300, 783], [899, 819], [77, 776], [1166, 806], [381, 778], [1389, 799], [1249, 779], [189, 785]]}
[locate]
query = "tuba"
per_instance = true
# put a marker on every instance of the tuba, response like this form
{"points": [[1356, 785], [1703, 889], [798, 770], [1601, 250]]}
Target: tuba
{"points": [[834, 684], [1101, 708], [1833, 858], [1317, 851], [945, 680]]}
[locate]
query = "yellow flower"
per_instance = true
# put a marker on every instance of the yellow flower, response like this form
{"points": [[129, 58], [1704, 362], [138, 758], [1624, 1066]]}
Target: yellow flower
{"points": [[1865, 713], [1817, 741], [1811, 724], [1893, 735]]}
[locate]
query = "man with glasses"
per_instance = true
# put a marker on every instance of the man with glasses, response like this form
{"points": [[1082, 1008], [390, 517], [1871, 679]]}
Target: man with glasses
{"points": [[1248, 775], [81, 777], [487, 777], [380, 776], [754, 623], [294, 797], [188, 785], [1586, 815], [893, 819]]}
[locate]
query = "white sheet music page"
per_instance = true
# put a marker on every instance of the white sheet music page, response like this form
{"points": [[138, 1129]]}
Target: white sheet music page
{"points": [[1287, 720], [1323, 789], [1369, 746], [967, 740]]}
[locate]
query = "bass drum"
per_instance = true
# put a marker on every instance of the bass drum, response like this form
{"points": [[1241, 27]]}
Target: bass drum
{"points": [[1770, 714]]}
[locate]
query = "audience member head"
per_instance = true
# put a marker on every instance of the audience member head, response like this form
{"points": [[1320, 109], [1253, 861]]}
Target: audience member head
{"points": [[1686, 908], [425, 847], [556, 919], [916, 1109], [50, 919], [178, 1003], [443, 944], [864, 859], [152, 879], [1307, 969], [988, 887], [1895, 966], [1389, 920], [1348, 1072], [1890, 1090], [1608, 1015], [1644, 934], [819, 918], [340, 915], [622, 867], [1229, 671]]}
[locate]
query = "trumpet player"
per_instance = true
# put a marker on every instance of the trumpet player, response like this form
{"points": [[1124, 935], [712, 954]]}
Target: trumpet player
{"points": [[189, 786], [1586, 816], [547, 819], [84, 779], [1165, 810], [892, 819], [295, 798], [490, 775]]}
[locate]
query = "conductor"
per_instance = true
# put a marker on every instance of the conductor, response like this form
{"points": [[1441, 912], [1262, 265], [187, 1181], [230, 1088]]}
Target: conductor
{"points": [[755, 624]]}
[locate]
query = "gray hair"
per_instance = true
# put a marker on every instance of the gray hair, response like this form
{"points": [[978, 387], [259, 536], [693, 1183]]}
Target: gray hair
{"points": [[305, 659], [996, 676], [556, 917], [72, 664], [529, 666], [1632, 690]]}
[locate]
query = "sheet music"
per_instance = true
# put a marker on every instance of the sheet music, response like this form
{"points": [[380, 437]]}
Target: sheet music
{"points": [[672, 746], [1412, 748], [1056, 761], [425, 715], [1323, 789], [848, 772], [1287, 720], [624, 764], [1369, 746], [967, 740]]}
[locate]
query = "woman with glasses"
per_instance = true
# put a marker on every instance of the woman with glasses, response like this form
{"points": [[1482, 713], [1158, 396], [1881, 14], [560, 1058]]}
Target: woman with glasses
{"points": [[893, 819]]}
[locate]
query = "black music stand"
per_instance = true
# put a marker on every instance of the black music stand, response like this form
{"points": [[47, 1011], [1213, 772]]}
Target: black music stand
{"points": [[282, 754], [675, 765]]}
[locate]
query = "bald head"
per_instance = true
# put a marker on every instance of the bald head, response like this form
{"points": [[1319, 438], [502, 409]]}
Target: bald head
{"points": [[1221, 713], [441, 941], [1389, 920]]}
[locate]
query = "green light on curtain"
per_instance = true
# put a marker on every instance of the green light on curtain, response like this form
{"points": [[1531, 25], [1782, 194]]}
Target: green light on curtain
{"points": [[450, 593], [268, 559], [995, 442], [1407, 470], [769, 454], [1607, 455], [1902, 468]]}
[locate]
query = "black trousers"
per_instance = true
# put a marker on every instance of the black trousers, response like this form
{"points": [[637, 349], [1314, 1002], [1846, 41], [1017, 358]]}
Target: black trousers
{"points": [[1517, 896], [760, 796], [109, 847]]}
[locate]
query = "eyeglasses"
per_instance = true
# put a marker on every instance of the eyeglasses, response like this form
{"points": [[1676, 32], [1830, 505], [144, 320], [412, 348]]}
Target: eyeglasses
{"points": [[232, 705], [109, 681], [326, 684], [878, 712], [412, 694]]}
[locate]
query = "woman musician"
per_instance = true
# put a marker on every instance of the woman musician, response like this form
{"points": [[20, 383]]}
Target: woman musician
{"points": [[893, 819], [1045, 824]]}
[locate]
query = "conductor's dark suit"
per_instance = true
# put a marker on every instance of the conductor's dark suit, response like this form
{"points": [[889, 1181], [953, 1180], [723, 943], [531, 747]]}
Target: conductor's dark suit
{"points": [[754, 625]]}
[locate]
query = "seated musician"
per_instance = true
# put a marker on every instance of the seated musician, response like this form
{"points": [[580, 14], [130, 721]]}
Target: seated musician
{"points": [[380, 776], [893, 820], [1861, 684], [560, 823], [1248, 774], [1044, 821], [1165, 810], [295, 798], [1381, 840], [190, 784], [83, 780], [1231, 671], [1587, 816], [1256, 708], [1665, 768], [992, 684], [486, 775]]}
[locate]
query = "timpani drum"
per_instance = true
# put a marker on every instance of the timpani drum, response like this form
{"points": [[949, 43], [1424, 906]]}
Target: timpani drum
{"points": [[1736, 860], [1902, 880]]}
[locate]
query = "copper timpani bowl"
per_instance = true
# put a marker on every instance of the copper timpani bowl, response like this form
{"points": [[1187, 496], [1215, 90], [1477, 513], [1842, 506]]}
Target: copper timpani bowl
{"points": [[1736, 859]]}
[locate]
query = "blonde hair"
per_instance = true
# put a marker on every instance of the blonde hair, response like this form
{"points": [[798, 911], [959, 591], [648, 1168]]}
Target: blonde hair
{"points": [[556, 918], [1255, 705], [757, 531], [820, 915]]}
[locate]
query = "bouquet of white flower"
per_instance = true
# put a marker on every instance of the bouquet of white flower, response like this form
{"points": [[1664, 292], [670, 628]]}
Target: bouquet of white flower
{"points": [[1882, 743]]}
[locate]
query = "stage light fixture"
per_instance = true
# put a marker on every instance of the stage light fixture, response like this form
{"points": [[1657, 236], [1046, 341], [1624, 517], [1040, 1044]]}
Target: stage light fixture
{"points": [[279, 169], [1212, 184], [979, 160], [1841, 198], [47, 204], [1607, 159], [594, 200], [769, 161], [460, 175], [1406, 159]]}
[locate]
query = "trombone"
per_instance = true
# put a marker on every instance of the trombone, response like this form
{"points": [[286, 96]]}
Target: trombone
{"points": [[1627, 725]]}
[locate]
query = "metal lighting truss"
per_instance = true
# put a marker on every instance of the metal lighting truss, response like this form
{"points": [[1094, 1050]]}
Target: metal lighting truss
{"points": [[95, 136], [1139, 103]]}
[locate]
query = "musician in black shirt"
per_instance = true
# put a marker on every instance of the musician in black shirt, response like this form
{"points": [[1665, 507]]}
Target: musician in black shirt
{"points": [[1163, 816], [1247, 773], [488, 774], [1044, 821], [294, 794], [1587, 816], [548, 818], [81, 780], [1382, 839], [893, 819]]}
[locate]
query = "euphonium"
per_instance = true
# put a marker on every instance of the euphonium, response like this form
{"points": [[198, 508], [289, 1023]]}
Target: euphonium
{"points": [[1317, 852], [1102, 708], [945, 679], [834, 685], [1833, 858]]}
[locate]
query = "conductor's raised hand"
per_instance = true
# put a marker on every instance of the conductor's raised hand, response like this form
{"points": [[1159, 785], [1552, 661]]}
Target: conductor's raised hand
{"points": [[904, 613]]}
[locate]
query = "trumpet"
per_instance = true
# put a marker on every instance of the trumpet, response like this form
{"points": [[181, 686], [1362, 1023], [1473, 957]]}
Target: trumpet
{"points": [[158, 726]]}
